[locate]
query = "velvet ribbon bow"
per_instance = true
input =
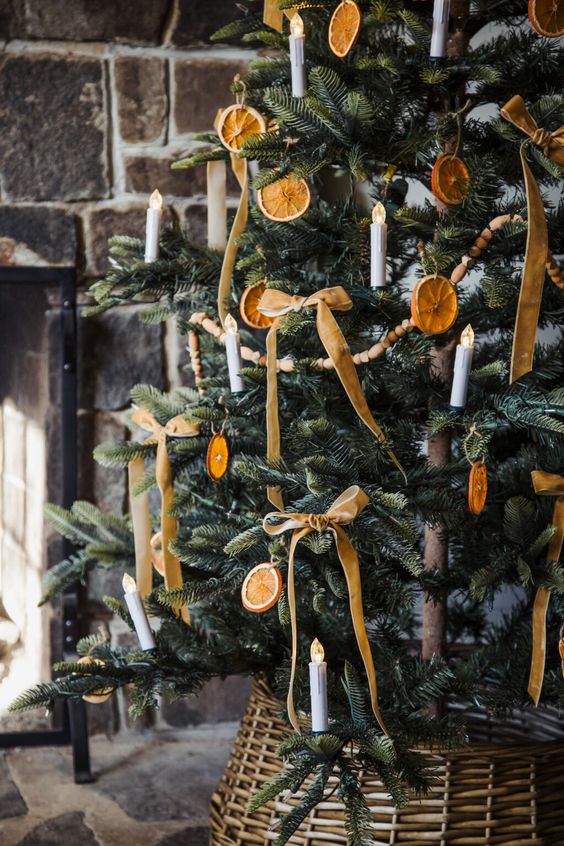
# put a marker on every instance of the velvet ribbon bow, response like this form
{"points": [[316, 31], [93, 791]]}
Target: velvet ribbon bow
{"points": [[545, 484], [343, 511], [552, 145], [276, 304], [177, 427], [273, 16]]}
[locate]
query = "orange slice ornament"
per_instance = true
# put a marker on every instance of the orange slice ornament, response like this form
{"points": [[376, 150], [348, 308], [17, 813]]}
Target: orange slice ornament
{"points": [[477, 487], [217, 457], [547, 17], [249, 307], [434, 305], [238, 123], [450, 180], [284, 200], [261, 588], [96, 697], [344, 28]]}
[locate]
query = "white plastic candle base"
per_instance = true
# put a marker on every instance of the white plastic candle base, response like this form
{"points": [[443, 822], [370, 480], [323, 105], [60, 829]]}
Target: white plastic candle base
{"points": [[297, 63]]}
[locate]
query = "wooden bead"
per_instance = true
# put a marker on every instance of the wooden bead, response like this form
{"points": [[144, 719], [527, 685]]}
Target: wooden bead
{"points": [[481, 243], [474, 251], [458, 274], [327, 364], [407, 324], [364, 357], [392, 337], [385, 343], [486, 234], [468, 262]]}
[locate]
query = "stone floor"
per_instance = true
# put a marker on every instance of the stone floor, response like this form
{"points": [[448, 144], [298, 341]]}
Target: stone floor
{"points": [[151, 789]]}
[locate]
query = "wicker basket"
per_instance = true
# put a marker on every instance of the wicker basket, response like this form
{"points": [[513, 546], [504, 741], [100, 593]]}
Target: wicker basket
{"points": [[510, 792]]}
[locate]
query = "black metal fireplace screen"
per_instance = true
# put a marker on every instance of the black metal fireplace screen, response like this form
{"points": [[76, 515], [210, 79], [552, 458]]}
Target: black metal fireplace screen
{"points": [[38, 388]]}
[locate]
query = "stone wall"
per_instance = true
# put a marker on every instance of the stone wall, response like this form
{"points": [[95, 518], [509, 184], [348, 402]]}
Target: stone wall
{"points": [[96, 100]]}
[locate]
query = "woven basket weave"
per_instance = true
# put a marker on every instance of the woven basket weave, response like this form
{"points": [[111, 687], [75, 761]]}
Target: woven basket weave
{"points": [[508, 792]]}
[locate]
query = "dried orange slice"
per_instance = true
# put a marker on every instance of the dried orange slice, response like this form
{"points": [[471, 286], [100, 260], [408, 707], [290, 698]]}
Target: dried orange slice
{"points": [[477, 487], [450, 180], [249, 307], [284, 200], [237, 123], [434, 305], [217, 457], [344, 28], [157, 553], [547, 17], [96, 697], [261, 588]]}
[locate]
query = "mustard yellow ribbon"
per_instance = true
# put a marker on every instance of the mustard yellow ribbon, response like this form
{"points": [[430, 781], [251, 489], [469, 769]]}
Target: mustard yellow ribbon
{"points": [[177, 427], [276, 304], [141, 521], [343, 511], [528, 307], [273, 16], [545, 484]]}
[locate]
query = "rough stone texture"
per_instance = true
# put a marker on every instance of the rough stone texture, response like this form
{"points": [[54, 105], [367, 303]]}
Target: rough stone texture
{"points": [[220, 700], [117, 351], [193, 27], [35, 235], [101, 223], [145, 173], [129, 21], [53, 139], [141, 97], [106, 486], [196, 222], [68, 828], [11, 801], [202, 86], [193, 836]]}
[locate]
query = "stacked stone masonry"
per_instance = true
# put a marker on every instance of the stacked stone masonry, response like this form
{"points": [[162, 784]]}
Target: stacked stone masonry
{"points": [[95, 105]]}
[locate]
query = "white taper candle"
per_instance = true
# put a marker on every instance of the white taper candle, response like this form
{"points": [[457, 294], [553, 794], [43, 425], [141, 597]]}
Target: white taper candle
{"points": [[233, 351], [138, 614], [462, 367], [378, 247], [318, 688], [441, 11], [297, 56], [154, 213], [217, 206]]}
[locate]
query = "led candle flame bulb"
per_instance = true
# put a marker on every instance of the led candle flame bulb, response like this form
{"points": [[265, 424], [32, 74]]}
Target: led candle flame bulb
{"points": [[297, 55], [138, 613], [233, 351], [462, 367], [378, 247], [154, 214], [318, 688]]}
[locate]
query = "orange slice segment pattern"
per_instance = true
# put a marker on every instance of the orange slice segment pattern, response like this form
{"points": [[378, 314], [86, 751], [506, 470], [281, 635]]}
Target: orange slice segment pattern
{"points": [[434, 305], [477, 487], [450, 180], [249, 307], [344, 28], [238, 123], [217, 457], [284, 200], [547, 17], [261, 588]]}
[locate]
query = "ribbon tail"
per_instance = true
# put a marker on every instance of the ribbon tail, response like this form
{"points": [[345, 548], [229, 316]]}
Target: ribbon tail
{"points": [[349, 562], [528, 307], [272, 16], [272, 420], [297, 535], [337, 348], [141, 521], [172, 571], [224, 290], [217, 205], [538, 657]]}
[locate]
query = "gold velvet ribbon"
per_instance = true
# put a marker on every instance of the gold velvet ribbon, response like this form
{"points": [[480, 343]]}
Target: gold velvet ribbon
{"points": [[273, 16], [343, 511], [240, 170], [141, 521], [545, 484], [177, 427], [528, 307], [276, 304]]}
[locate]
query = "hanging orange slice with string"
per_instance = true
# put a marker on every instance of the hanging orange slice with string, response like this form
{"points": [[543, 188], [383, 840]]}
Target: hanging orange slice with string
{"points": [[344, 28], [157, 556], [96, 697], [547, 17], [450, 180], [217, 457], [284, 200], [238, 123], [261, 588], [249, 307], [477, 487], [434, 305]]}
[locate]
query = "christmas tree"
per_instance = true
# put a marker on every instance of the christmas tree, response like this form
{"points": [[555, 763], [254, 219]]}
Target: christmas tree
{"points": [[387, 499]]}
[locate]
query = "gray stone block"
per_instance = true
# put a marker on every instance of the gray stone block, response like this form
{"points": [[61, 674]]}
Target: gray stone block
{"points": [[12, 803], [100, 223], [37, 235], [66, 828], [220, 700], [202, 86], [141, 98], [53, 139], [197, 20], [145, 173]]}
